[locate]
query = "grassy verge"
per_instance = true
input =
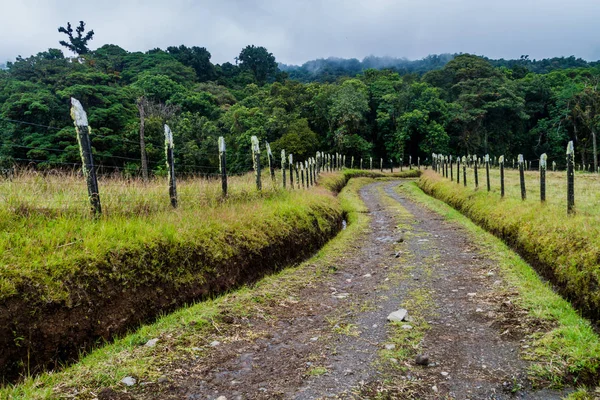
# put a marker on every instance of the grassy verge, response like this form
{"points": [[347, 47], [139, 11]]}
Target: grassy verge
{"points": [[67, 282], [567, 353], [188, 332], [565, 249]]}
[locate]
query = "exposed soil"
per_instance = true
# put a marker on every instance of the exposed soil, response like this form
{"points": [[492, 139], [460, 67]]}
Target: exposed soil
{"points": [[328, 341]]}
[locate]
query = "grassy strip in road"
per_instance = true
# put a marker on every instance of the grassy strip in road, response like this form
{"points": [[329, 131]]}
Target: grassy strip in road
{"points": [[188, 332], [569, 353]]}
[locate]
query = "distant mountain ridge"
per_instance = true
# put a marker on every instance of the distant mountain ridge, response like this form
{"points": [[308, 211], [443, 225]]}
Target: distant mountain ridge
{"points": [[332, 68]]}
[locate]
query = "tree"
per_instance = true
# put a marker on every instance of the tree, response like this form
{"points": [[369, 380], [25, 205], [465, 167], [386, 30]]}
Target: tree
{"points": [[260, 62], [196, 57], [78, 44]]}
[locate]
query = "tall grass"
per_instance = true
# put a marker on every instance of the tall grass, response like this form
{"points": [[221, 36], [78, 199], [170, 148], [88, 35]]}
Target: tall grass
{"points": [[31, 192]]}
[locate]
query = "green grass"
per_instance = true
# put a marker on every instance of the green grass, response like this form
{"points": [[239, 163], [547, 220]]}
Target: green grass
{"points": [[65, 261], [569, 352], [187, 332], [565, 249]]}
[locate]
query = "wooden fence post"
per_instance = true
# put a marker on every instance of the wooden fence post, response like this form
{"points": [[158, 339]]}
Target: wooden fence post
{"points": [[401, 165], [522, 176], [487, 171], [297, 176], [256, 161], [352, 162], [464, 162], [570, 178], [554, 166], [223, 165], [381, 165], [85, 150], [475, 162], [451, 170], [271, 161], [171, 165], [344, 161], [458, 169], [302, 173], [543, 159], [291, 164], [409, 162], [419, 163], [361, 167], [283, 167], [371, 163], [501, 165], [391, 166]]}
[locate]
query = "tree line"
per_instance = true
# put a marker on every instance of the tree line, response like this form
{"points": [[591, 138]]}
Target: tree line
{"points": [[466, 104]]}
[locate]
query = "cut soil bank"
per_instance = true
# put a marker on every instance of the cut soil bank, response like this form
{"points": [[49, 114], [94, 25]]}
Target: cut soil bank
{"points": [[109, 294], [565, 250]]}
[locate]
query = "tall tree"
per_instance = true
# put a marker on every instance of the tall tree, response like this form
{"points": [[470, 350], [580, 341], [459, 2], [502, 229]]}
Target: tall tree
{"points": [[77, 44], [260, 62]]}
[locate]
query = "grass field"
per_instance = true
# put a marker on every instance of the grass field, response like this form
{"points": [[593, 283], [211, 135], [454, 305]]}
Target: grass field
{"points": [[565, 249]]}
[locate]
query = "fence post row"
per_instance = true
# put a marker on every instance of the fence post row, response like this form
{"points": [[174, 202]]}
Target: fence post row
{"points": [[522, 176], [543, 161], [171, 165], [570, 178], [85, 149], [223, 165], [271, 161], [256, 160]]}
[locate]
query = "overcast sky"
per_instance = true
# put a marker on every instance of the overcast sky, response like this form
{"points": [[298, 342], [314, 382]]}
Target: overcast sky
{"points": [[296, 31]]}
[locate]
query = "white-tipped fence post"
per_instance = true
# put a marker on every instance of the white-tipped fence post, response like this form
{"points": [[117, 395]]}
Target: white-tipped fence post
{"points": [[85, 149], [451, 170], [283, 167], [501, 165], [298, 175], [256, 161], [391, 166], [371, 163], [352, 162], [271, 161], [464, 161], [171, 165], [381, 165], [543, 161], [223, 165], [361, 167], [487, 171], [291, 164], [522, 176], [570, 178]]}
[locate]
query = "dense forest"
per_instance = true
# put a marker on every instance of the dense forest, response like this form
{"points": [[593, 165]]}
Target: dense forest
{"points": [[380, 107]]}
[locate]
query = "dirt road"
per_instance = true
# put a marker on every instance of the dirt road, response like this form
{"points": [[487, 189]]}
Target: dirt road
{"points": [[333, 340]]}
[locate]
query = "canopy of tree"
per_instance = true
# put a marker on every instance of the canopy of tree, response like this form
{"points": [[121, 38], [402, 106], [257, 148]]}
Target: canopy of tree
{"points": [[453, 104]]}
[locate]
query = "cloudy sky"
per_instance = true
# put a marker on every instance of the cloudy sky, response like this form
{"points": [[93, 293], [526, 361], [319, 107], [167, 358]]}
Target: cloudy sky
{"points": [[299, 30]]}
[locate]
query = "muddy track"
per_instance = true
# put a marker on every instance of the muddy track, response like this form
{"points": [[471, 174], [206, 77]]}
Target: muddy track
{"points": [[329, 341]]}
